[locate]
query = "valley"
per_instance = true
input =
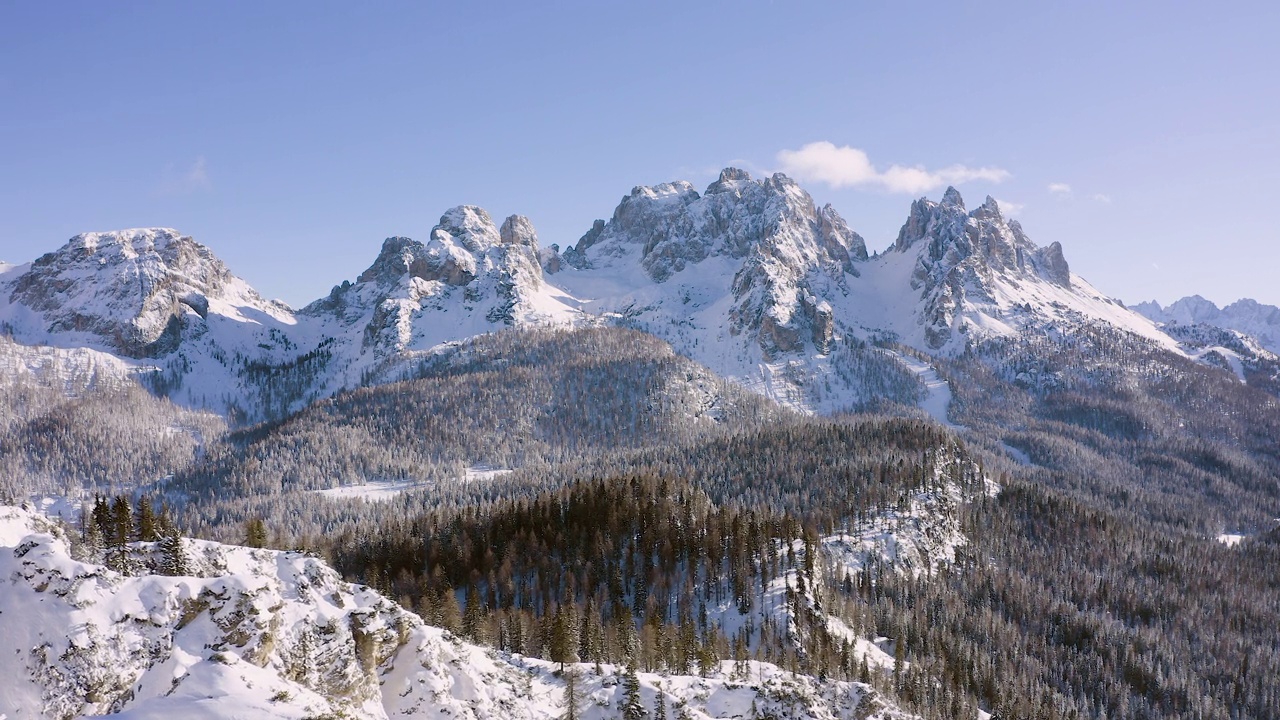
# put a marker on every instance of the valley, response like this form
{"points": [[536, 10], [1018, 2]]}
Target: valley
{"points": [[716, 457]]}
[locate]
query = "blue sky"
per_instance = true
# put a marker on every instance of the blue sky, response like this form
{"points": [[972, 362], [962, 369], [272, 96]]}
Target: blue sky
{"points": [[293, 137]]}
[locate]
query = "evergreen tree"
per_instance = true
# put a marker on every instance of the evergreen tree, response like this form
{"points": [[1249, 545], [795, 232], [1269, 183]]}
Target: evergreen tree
{"points": [[573, 697], [564, 645], [255, 533], [121, 522], [148, 530], [173, 556], [118, 541], [91, 537], [632, 706], [449, 615], [102, 517], [474, 618]]}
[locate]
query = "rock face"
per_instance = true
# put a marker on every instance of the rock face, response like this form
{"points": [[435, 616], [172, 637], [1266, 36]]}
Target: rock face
{"points": [[485, 277], [138, 292], [966, 254], [769, 233], [264, 633]]}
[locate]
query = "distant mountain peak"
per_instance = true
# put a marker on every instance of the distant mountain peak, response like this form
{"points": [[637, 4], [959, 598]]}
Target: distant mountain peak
{"points": [[730, 179], [132, 290], [1259, 321], [952, 198]]}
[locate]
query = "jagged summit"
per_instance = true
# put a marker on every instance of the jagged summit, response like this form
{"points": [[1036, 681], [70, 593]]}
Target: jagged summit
{"points": [[759, 248], [951, 198], [956, 235], [675, 227], [1260, 321], [135, 292], [750, 277], [483, 276]]}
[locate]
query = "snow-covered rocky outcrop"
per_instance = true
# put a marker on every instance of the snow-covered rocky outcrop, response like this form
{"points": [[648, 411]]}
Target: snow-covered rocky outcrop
{"points": [[1249, 317], [264, 633], [975, 274], [137, 293], [163, 307], [470, 277], [754, 280], [747, 258], [749, 277]]}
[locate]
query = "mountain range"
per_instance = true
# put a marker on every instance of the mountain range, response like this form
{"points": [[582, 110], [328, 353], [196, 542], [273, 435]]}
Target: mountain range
{"points": [[717, 439], [749, 278]]}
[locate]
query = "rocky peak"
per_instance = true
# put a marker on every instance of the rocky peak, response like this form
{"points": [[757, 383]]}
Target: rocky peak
{"points": [[396, 258], [778, 239], [130, 288], [518, 230], [989, 210], [731, 180], [467, 263], [965, 254], [467, 226], [951, 198], [1053, 264]]}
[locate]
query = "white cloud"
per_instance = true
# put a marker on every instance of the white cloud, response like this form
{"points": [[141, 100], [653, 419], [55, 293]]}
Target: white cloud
{"points": [[184, 181], [1064, 190], [1009, 209], [846, 166]]}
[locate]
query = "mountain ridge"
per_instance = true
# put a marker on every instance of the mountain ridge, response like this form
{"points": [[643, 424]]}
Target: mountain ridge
{"points": [[750, 277]]}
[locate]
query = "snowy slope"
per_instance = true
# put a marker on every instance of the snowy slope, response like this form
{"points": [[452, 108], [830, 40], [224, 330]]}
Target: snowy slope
{"points": [[470, 277], [160, 307], [1249, 317], [749, 277], [261, 633], [756, 282]]}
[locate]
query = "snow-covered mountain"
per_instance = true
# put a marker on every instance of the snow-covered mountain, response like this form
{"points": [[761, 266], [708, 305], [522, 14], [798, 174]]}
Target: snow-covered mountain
{"points": [[1250, 317], [161, 307], [469, 278], [264, 633], [749, 277], [754, 280]]}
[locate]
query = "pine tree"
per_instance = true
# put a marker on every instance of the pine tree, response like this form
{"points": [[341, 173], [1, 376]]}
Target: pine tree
{"points": [[632, 706], [147, 528], [121, 522], [660, 705], [173, 555], [118, 540], [473, 618], [255, 533], [564, 645], [102, 517], [450, 615], [573, 698]]}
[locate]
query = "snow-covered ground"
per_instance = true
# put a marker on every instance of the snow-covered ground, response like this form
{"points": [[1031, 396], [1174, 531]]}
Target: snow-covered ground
{"points": [[380, 490], [917, 540], [937, 400], [371, 490], [1231, 539], [264, 633]]}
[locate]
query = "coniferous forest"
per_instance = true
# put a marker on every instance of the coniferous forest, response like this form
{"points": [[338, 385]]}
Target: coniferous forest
{"points": [[1062, 562]]}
